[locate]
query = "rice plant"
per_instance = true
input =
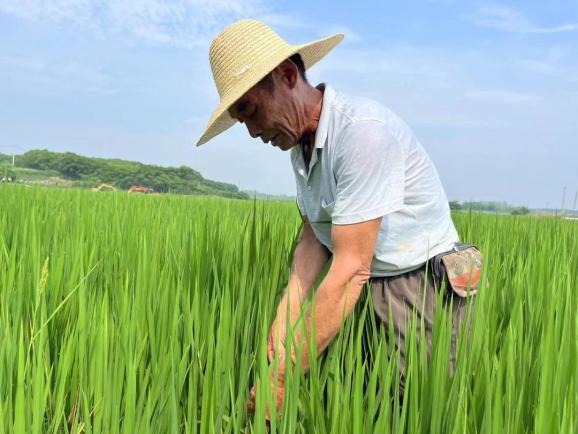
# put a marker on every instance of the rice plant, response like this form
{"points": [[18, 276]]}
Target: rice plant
{"points": [[123, 314]]}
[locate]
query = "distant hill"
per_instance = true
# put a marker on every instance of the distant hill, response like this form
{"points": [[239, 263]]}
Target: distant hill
{"points": [[89, 172]]}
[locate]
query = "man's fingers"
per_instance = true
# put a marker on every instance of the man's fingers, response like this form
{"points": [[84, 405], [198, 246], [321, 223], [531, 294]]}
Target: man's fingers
{"points": [[251, 400], [251, 406], [271, 341], [277, 393], [271, 354]]}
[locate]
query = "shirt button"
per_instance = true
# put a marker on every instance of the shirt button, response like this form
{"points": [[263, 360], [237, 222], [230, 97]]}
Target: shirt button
{"points": [[309, 187]]}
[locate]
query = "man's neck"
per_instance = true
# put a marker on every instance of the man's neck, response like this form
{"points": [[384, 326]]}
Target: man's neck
{"points": [[307, 140]]}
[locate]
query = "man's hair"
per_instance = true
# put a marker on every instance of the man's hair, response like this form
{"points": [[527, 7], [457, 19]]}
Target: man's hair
{"points": [[267, 81]]}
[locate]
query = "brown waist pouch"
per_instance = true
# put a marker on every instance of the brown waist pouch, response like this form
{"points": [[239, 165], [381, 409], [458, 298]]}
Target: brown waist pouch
{"points": [[461, 268]]}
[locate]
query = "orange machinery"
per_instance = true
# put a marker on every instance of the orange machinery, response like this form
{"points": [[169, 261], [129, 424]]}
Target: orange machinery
{"points": [[104, 187], [140, 189]]}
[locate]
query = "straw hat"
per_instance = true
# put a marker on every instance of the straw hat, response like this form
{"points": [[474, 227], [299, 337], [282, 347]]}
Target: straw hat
{"points": [[244, 53]]}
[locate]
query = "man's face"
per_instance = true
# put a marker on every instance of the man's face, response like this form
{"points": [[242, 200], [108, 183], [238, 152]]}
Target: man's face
{"points": [[270, 112]]}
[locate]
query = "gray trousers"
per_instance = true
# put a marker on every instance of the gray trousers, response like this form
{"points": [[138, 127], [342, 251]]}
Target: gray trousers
{"points": [[405, 293]]}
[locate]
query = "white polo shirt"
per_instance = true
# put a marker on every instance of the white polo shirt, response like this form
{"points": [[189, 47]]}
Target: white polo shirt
{"points": [[367, 163]]}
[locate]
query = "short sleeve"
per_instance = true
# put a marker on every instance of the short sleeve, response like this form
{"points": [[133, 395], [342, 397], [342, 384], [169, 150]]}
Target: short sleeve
{"points": [[369, 170]]}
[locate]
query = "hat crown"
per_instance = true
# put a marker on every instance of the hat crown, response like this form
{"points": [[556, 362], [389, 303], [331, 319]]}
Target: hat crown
{"points": [[239, 50]]}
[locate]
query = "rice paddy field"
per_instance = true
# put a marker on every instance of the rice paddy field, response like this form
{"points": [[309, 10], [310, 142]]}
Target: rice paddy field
{"points": [[124, 314]]}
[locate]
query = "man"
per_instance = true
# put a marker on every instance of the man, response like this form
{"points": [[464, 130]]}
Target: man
{"points": [[370, 198]]}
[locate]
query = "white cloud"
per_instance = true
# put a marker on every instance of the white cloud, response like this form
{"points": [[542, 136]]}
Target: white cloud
{"points": [[281, 20], [185, 23], [558, 63], [179, 22], [48, 10], [175, 22], [442, 90], [501, 96], [20, 62], [55, 74], [556, 29], [512, 20], [350, 35], [401, 63]]}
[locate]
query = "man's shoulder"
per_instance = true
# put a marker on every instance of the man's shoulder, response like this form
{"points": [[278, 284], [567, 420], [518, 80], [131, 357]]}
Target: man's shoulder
{"points": [[359, 118], [358, 108], [351, 111]]}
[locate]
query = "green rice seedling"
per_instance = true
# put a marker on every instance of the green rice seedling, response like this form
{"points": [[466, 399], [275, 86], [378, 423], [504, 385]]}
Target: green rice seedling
{"points": [[123, 314]]}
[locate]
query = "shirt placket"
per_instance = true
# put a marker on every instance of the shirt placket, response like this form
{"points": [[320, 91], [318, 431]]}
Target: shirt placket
{"points": [[307, 177]]}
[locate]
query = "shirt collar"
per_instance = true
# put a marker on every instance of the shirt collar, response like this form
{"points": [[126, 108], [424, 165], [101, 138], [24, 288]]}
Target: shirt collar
{"points": [[323, 125]]}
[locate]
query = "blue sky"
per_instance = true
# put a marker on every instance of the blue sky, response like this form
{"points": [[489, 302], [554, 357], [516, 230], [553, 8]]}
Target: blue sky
{"points": [[490, 89]]}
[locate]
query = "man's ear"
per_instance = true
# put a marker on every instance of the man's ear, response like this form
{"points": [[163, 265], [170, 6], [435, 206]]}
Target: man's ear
{"points": [[287, 73]]}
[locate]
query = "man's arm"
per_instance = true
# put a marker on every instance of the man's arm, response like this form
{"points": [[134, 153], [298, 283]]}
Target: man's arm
{"points": [[309, 258], [353, 248], [337, 295]]}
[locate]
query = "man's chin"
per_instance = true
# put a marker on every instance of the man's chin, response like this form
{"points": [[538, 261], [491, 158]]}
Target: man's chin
{"points": [[285, 146]]}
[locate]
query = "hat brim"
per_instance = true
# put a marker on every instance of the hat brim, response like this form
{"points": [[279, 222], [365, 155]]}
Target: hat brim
{"points": [[311, 53]]}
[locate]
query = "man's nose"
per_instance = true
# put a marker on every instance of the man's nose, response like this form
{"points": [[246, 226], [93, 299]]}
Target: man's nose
{"points": [[253, 130]]}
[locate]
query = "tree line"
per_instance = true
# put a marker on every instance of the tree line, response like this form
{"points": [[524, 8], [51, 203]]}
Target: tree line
{"points": [[497, 207], [90, 172]]}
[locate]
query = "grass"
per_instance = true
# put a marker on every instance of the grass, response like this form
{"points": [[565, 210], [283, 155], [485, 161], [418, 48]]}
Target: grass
{"points": [[123, 314]]}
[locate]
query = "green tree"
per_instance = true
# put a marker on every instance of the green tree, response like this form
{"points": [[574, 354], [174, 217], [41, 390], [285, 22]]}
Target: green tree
{"points": [[7, 174], [455, 205], [123, 174], [521, 210]]}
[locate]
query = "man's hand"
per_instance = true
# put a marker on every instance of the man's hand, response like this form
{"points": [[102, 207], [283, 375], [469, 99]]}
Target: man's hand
{"points": [[277, 392], [276, 337], [308, 260]]}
